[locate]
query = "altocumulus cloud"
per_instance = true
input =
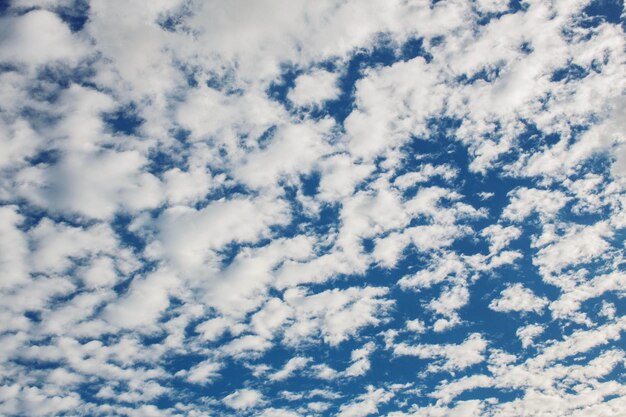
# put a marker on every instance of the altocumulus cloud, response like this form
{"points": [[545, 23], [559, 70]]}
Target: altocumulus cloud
{"points": [[285, 208]]}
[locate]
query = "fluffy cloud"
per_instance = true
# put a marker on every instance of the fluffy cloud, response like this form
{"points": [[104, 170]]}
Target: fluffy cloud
{"points": [[314, 88], [365, 404], [39, 37], [243, 399], [518, 298], [453, 356]]}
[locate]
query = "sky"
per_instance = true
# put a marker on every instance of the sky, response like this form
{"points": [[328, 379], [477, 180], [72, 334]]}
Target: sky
{"points": [[289, 208]]}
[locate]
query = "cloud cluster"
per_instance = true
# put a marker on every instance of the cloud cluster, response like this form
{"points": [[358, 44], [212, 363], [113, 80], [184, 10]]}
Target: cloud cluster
{"points": [[209, 208]]}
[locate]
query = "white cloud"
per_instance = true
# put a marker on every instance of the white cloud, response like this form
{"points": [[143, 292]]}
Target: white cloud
{"points": [[235, 220], [100, 273], [278, 412], [13, 248], [450, 300], [192, 226], [448, 391], [243, 399], [205, 372], [242, 287], [518, 298], [339, 175], [38, 37], [416, 325], [144, 303], [207, 112], [492, 5], [579, 245], [569, 302], [18, 139], [292, 365], [33, 401], [56, 245], [499, 237], [453, 356], [444, 267], [425, 173], [365, 404], [391, 106], [325, 372], [293, 149], [469, 408], [360, 361], [213, 328], [525, 201], [314, 88], [528, 333], [318, 406], [271, 317], [182, 187], [247, 346], [334, 314]]}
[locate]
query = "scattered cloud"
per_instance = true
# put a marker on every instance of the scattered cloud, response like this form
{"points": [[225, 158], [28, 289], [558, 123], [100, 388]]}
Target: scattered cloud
{"points": [[209, 208]]}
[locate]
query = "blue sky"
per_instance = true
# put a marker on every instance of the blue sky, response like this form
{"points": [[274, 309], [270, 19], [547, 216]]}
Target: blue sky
{"points": [[285, 208]]}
